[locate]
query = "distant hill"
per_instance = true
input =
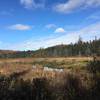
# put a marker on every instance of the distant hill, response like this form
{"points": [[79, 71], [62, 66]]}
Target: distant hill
{"points": [[78, 49], [7, 51]]}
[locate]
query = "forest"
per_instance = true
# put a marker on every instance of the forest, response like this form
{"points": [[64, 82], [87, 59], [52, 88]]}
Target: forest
{"points": [[80, 48]]}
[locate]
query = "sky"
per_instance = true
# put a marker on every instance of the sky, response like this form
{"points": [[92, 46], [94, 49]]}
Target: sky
{"points": [[34, 24]]}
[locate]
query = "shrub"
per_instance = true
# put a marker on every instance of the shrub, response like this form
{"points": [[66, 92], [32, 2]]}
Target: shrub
{"points": [[41, 91], [73, 89], [94, 66]]}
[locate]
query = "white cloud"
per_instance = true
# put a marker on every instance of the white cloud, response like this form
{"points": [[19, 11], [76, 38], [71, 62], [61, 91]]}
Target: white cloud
{"points": [[73, 5], [59, 30], [49, 26], [20, 27], [29, 4]]}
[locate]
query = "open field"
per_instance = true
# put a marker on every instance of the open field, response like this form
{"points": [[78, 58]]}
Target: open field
{"points": [[70, 64], [50, 77], [45, 59]]}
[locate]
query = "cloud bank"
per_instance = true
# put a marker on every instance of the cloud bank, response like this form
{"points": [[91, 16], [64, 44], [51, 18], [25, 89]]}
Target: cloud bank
{"points": [[72, 5]]}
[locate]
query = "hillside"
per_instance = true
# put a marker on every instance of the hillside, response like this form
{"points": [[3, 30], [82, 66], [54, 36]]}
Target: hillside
{"points": [[78, 49], [7, 51]]}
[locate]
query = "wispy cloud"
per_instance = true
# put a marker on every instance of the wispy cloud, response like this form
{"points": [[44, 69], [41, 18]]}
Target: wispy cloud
{"points": [[6, 13], [20, 27], [87, 33], [30, 4], [60, 30], [27, 3], [94, 16], [72, 5], [50, 26], [1, 42]]}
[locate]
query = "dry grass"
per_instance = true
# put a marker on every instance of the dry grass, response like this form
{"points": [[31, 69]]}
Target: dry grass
{"points": [[70, 64], [46, 59]]}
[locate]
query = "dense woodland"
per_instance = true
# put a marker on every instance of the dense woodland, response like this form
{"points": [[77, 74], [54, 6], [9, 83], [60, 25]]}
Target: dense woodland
{"points": [[78, 49]]}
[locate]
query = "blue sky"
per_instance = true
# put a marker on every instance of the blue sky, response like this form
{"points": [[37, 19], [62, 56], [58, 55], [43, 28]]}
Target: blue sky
{"points": [[31, 24]]}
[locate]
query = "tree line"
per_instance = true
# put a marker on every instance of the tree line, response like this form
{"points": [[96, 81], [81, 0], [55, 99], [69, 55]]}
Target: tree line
{"points": [[80, 48]]}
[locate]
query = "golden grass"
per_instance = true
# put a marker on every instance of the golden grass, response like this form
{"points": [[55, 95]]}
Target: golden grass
{"points": [[73, 64], [46, 59]]}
